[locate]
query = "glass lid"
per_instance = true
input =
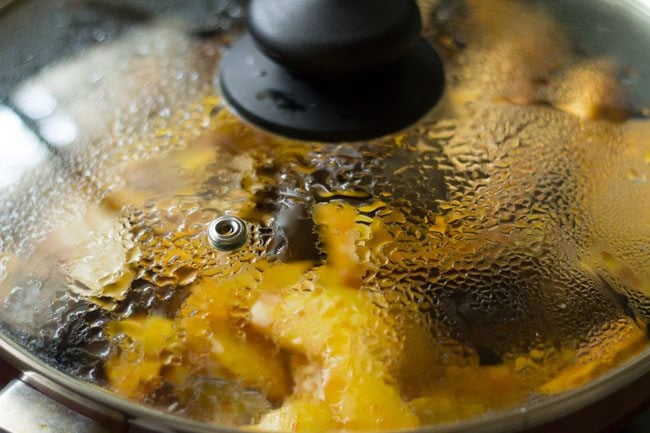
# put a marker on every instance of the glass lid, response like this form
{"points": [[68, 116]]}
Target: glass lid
{"points": [[492, 256]]}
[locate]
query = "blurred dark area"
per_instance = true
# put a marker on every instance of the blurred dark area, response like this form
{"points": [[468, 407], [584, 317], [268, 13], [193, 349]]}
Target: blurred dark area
{"points": [[639, 425], [37, 33]]}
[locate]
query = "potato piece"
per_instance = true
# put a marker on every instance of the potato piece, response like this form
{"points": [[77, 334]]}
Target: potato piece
{"points": [[588, 90], [357, 389], [207, 319], [216, 298], [248, 357], [300, 415], [632, 276], [222, 297], [337, 223], [443, 408], [614, 344], [135, 368], [209, 347], [332, 325], [338, 327], [464, 392], [131, 376], [319, 313], [511, 47]]}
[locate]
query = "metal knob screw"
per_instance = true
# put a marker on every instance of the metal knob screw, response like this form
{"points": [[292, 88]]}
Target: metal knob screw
{"points": [[227, 233]]}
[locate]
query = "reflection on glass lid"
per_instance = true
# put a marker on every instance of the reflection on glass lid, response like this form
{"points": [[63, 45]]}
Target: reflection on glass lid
{"points": [[494, 255]]}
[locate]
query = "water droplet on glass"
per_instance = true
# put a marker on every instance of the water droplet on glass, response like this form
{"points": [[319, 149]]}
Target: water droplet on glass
{"points": [[143, 50], [99, 35], [636, 177]]}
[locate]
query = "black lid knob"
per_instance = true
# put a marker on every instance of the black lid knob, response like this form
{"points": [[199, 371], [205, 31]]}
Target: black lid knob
{"points": [[334, 37], [332, 70]]}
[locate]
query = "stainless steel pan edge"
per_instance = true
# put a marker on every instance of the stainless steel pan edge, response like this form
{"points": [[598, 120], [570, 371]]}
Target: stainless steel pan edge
{"points": [[44, 414]]}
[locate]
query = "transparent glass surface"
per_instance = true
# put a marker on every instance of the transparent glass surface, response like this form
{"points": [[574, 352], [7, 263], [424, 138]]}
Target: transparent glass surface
{"points": [[495, 255]]}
